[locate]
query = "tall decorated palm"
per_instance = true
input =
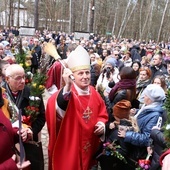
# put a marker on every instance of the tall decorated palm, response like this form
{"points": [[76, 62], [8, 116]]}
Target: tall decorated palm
{"points": [[23, 58], [36, 83]]}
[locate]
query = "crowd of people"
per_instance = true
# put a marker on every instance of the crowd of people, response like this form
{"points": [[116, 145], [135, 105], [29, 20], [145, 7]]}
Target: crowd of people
{"points": [[106, 104]]}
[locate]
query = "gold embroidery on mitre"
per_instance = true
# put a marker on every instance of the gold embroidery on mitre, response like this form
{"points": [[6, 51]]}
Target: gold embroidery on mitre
{"points": [[80, 68], [87, 113]]}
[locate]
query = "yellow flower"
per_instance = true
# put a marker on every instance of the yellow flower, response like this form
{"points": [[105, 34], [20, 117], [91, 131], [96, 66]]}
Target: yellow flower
{"points": [[28, 63], [41, 87], [34, 84], [21, 64]]}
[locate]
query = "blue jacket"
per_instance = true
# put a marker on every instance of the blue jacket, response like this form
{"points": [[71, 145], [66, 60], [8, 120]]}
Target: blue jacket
{"points": [[146, 120]]}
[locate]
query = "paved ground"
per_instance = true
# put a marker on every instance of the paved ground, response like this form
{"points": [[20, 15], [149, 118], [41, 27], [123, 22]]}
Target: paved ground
{"points": [[44, 139], [44, 135]]}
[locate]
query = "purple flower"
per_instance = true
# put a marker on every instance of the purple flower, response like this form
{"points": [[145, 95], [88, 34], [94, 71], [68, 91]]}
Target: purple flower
{"points": [[142, 165], [146, 167]]}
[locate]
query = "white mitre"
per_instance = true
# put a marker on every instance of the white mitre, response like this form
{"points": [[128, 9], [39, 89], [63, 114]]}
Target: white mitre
{"points": [[78, 59]]}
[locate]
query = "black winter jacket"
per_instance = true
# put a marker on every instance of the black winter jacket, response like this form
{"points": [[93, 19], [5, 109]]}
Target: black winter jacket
{"points": [[159, 145]]}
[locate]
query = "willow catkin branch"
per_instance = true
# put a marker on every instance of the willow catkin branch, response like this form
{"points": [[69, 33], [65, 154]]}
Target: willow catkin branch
{"points": [[50, 49]]}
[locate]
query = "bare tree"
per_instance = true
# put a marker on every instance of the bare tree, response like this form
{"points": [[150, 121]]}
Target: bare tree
{"points": [[36, 17], [92, 15], [11, 13], [74, 16], [70, 17], [82, 15], [18, 13], [48, 6], [128, 18], [124, 19], [149, 23], [115, 18], [140, 18], [135, 19], [162, 20], [5, 6]]}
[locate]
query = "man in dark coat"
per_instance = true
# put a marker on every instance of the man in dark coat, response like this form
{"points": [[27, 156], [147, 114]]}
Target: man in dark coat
{"points": [[62, 48], [19, 94], [159, 145], [36, 55], [135, 53], [158, 68]]}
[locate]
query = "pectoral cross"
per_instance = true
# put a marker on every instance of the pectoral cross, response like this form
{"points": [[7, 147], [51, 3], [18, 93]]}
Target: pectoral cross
{"points": [[87, 113]]}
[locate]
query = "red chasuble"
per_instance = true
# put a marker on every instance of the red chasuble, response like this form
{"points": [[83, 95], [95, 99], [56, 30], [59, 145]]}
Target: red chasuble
{"points": [[72, 143], [163, 156], [54, 75]]}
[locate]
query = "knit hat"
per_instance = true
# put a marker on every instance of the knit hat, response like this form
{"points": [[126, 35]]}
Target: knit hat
{"points": [[111, 61], [122, 109], [154, 92]]}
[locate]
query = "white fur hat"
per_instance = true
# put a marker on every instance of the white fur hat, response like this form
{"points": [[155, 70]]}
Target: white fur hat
{"points": [[78, 59], [154, 92]]}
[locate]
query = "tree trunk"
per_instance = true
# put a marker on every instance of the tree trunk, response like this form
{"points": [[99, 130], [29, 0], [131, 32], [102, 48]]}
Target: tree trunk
{"points": [[92, 16], [10, 12], [150, 20], [36, 18], [18, 24], [149, 14], [115, 19], [70, 17], [74, 15], [124, 19], [48, 9], [89, 16], [140, 19], [82, 16], [163, 17], [5, 20]]}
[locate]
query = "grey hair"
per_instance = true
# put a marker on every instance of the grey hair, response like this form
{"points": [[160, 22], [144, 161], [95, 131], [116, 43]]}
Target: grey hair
{"points": [[12, 69]]}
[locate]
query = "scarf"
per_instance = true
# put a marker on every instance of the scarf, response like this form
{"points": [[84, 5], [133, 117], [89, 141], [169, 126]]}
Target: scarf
{"points": [[16, 100], [142, 84], [150, 106], [122, 84]]}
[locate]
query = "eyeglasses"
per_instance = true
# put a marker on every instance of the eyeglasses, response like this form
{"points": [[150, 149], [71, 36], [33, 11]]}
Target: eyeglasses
{"points": [[18, 78]]}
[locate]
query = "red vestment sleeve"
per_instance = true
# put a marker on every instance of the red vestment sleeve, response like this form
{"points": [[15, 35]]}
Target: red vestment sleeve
{"points": [[54, 75], [51, 125], [163, 155]]}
